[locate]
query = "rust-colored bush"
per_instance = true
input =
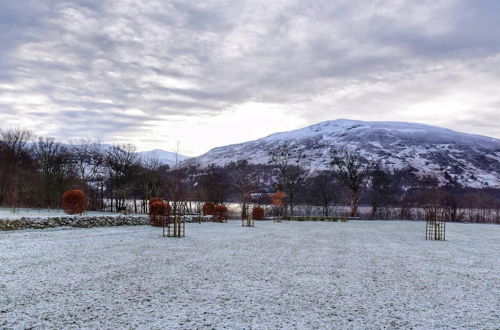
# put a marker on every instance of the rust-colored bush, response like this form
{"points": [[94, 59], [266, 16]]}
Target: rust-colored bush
{"points": [[278, 198], [257, 213], [220, 213], [155, 208], [73, 202], [152, 200], [208, 208], [158, 210]]}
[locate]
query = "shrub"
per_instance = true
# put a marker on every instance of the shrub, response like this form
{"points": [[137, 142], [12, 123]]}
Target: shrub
{"points": [[157, 210], [73, 202], [208, 208], [257, 213], [220, 213], [277, 198], [152, 200]]}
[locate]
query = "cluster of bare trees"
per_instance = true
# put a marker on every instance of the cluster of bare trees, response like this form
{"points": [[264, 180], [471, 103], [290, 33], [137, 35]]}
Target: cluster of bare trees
{"points": [[348, 175], [34, 172], [15, 164], [352, 179]]}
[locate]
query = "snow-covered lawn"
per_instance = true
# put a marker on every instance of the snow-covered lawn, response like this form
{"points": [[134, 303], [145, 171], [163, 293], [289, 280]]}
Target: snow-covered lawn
{"points": [[6, 213], [358, 274]]}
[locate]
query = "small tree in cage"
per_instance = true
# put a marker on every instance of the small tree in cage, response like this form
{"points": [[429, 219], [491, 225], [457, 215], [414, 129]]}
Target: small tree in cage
{"points": [[435, 211], [246, 219], [74, 202]]}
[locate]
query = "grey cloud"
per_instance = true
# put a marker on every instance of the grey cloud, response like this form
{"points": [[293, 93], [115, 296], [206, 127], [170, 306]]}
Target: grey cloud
{"points": [[193, 58]]}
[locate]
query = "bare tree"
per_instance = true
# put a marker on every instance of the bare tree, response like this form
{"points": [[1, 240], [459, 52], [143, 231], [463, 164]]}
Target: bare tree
{"points": [[88, 158], [122, 165], [323, 189], [245, 182], [431, 200], [15, 140], [15, 158], [178, 184], [289, 163], [195, 191], [151, 177], [382, 189], [54, 164], [215, 183], [353, 172]]}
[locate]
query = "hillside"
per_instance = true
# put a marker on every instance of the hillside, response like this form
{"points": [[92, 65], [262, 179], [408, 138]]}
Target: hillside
{"points": [[165, 157], [471, 160]]}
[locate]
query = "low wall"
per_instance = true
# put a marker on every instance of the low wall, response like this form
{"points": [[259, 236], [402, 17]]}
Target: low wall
{"points": [[69, 221]]}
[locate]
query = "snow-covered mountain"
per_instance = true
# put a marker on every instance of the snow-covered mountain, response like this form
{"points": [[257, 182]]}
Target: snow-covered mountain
{"points": [[471, 160], [165, 157]]}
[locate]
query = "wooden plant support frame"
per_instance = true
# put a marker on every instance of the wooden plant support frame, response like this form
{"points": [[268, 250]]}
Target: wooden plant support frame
{"points": [[174, 228], [435, 229], [248, 222]]}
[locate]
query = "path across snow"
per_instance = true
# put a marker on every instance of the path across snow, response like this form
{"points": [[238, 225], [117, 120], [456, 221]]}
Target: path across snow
{"points": [[358, 274]]}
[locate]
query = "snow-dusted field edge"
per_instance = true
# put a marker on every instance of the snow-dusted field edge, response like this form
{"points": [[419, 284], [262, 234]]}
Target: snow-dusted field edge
{"points": [[80, 221], [359, 274], [6, 213]]}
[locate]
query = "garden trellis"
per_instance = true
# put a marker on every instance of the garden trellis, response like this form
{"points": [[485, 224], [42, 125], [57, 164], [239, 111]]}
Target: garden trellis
{"points": [[247, 220], [174, 228], [435, 229]]}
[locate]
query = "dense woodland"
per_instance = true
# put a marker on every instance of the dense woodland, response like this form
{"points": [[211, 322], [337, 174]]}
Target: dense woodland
{"points": [[35, 172]]}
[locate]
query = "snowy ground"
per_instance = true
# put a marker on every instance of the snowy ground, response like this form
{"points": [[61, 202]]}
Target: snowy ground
{"points": [[358, 274], [6, 213]]}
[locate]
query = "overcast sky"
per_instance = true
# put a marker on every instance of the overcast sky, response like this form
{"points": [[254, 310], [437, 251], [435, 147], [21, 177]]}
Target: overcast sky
{"points": [[211, 73]]}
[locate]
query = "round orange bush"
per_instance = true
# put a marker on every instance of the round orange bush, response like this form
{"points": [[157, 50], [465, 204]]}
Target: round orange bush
{"points": [[220, 213], [157, 210], [73, 202], [257, 213], [208, 208], [153, 200]]}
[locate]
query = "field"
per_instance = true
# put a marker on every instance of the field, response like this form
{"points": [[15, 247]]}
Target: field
{"points": [[359, 274]]}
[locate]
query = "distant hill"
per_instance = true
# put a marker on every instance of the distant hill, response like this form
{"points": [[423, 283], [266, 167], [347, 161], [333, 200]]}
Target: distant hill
{"points": [[166, 157], [470, 160]]}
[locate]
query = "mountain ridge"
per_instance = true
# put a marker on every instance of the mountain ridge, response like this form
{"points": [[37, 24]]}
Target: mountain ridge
{"points": [[471, 160]]}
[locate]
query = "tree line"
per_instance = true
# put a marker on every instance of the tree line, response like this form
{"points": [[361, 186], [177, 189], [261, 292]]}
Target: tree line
{"points": [[35, 172], [351, 179]]}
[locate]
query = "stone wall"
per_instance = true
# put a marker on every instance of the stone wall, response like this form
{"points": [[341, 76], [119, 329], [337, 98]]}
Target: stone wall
{"points": [[72, 221]]}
